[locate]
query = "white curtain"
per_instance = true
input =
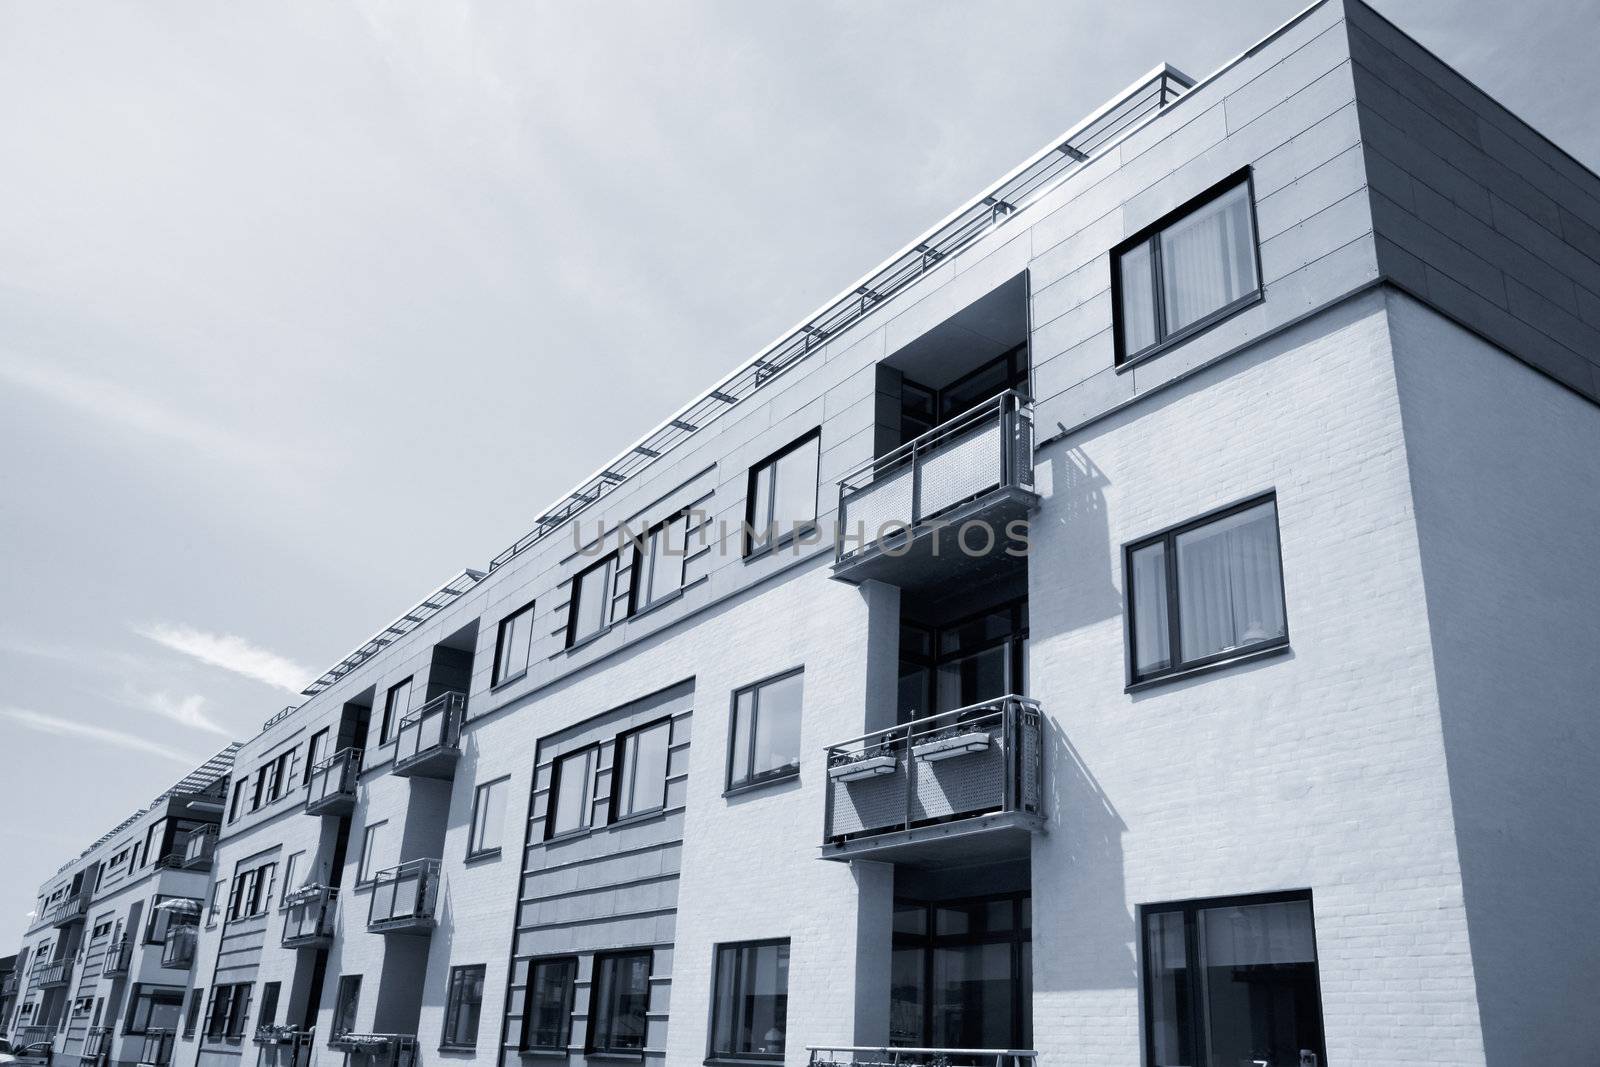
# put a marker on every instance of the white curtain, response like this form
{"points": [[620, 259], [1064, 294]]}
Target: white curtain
{"points": [[1138, 300], [1207, 259], [1229, 585], [1258, 933], [1150, 651]]}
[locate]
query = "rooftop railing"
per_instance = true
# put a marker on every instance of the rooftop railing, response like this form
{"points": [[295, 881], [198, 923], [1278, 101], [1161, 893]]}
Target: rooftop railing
{"points": [[331, 785], [403, 898], [868, 1056], [428, 741], [199, 847], [308, 914], [911, 787]]}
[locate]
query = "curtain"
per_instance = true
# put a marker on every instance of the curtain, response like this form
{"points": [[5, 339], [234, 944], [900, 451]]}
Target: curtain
{"points": [[1150, 651], [1230, 590], [1207, 259], [1138, 300]]}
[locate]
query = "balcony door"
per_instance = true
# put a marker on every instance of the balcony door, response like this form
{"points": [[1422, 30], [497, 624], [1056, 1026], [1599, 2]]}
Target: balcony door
{"points": [[971, 660], [962, 973]]}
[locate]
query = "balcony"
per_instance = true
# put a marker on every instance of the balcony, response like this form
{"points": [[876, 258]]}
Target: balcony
{"points": [[403, 899], [331, 788], [50, 975], [34, 1035], [428, 742], [901, 515], [178, 952], [198, 848], [118, 957], [96, 1044], [157, 1048], [967, 783], [70, 910], [380, 1050], [308, 916], [7, 988], [867, 1056]]}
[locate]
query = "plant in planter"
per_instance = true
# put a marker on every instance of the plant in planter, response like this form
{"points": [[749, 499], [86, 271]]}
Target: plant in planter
{"points": [[869, 762], [951, 741]]}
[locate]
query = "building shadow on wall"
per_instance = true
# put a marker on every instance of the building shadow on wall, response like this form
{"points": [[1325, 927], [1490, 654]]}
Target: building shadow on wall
{"points": [[1087, 865], [1083, 533]]}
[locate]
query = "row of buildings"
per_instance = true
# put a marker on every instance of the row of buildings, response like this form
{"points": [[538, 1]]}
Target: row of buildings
{"points": [[1153, 618]]}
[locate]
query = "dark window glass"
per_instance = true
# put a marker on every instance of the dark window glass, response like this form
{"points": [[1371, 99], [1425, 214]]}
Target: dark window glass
{"points": [[621, 1001], [513, 645], [1229, 982], [641, 781], [548, 1022], [316, 750], [154, 1009], [590, 611], [395, 706], [781, 497], [463, 1006], [1211, 590], [1187, 272], [570, 793], [346, 1003], [191, 1022], [766, 731], [230, 1005], [750, 1000], [960, 974], [488, 817], [268, 1016], [659, 561]]}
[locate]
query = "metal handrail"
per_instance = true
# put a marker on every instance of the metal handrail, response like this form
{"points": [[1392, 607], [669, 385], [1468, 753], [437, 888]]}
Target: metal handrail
{"points": [[451, 706], [420, 877], [924, 440], [118, 956], [955, 715], [346, 763], [69, 908], [308, 912], [52, 972], [96, 1042], [891, 1056], [162, 1040]]}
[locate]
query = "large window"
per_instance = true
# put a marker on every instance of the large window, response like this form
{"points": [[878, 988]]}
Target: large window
{"points": [[658, 562], [316, 749], [641, 778], [153, 1009], [1189, 270], [621, 1000], [395, 706], [766, 731], [463, 1006], [781, 498], [570, 793], [230, 1007], [251, 891], [750, 1000], [547, 1020], [591, 609], [513, 645], [162, 918], [1232, 981], [961, 973], [488, 818], [345, 1004], [268, 1015], [1206, 592]]}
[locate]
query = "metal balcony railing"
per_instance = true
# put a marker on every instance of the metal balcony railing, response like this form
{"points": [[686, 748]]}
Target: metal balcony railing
{"points": [[428, 741], [70, 910], [52, 973], [118, 957], [7, 988], [96, 1043], [33, 1035], [976, 467], [157, 1048], [308, 916], [284, 1046], [378, 1050], [403, 898], [178, 952], [867, 1056], [199, 847], [910, 788], [331, 785]]}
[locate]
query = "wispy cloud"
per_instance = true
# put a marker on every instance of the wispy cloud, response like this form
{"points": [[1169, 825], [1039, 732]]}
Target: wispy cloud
{"points": [[230, 653], [185, 711], [55, 724]]}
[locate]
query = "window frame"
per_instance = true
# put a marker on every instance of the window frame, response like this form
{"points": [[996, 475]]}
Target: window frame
{"points": [[622, 767], [1179, 667], [147, 993], [739, 948], [369, 836], [569, 1001], [1123, 359], [459, 979], [475, 850], [314, 754], [754, 780], [1190, 910], [348, 985], [592, 752], [498, 677], [610, 562], [591, 1045], [390, 724], [644, 560], [772, 544]]}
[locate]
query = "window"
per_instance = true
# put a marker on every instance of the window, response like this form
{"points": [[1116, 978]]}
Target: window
{"points": [[217, 889], [191, 1021], [640, 784], [238, 797], [153, 1008], [230, 1007], [395, 706], [314, 753], [570, 793], [547, 1020], [162, 919], [1192, 268], [290, 869], [750, 1000], [370, 840], [268, 1016], [488, 818], [592, 601], [766, 731], [513, 645], [101, 929], [279, 776], [658, 562], [1205, 592], [251, 892], [781, 497], [345, 1004], [463, 1006], [1232, 981], [621, 1000], [961, 972]]}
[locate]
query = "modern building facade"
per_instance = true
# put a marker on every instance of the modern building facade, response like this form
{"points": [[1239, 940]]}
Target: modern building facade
{"points": [[1151, 619]]}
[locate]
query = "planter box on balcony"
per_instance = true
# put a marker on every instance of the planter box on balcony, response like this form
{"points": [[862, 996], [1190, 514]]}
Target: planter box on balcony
{"points": [[870, 767], [949, 747]]}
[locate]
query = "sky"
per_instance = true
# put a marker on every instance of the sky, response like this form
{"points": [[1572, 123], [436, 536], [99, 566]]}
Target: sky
{"points": [[304, 307]]}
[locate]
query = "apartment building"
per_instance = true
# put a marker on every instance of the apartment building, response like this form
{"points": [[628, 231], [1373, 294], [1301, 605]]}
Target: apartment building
{"points": [[1148, 620]]}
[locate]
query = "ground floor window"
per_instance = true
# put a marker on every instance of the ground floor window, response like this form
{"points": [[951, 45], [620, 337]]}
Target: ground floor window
{"points": [[750, 1000], [962, 973], [1232, 981], [547, 1021], [153, 1008], [621, 1001], [463, 1006]]}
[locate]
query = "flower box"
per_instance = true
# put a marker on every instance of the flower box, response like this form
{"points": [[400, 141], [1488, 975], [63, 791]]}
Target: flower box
{"points": [[951, 745], [865, 767]]}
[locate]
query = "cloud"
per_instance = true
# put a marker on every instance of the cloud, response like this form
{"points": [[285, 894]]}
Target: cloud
{"points": [[54, 724], [186, 711], [230, 653]]}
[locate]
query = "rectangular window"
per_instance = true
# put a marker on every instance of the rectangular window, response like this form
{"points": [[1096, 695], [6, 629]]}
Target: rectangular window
{"points": [[570, 793], [395, 706], [238, 799], [230, 1007], [368, 867], [1206, 592], [268, 1015], [315, 751], [750, 1000], [1192, 268], [191, 1021], [290, 870], [463, 1006], [488, 818], [513, 645], [658, 562], [1232, 981], [640, 784], [547, 1020], [781, 497], [153, 1009], [766, 731], [621, 999], [251, 892], [591, 608], [346, 1003]]}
